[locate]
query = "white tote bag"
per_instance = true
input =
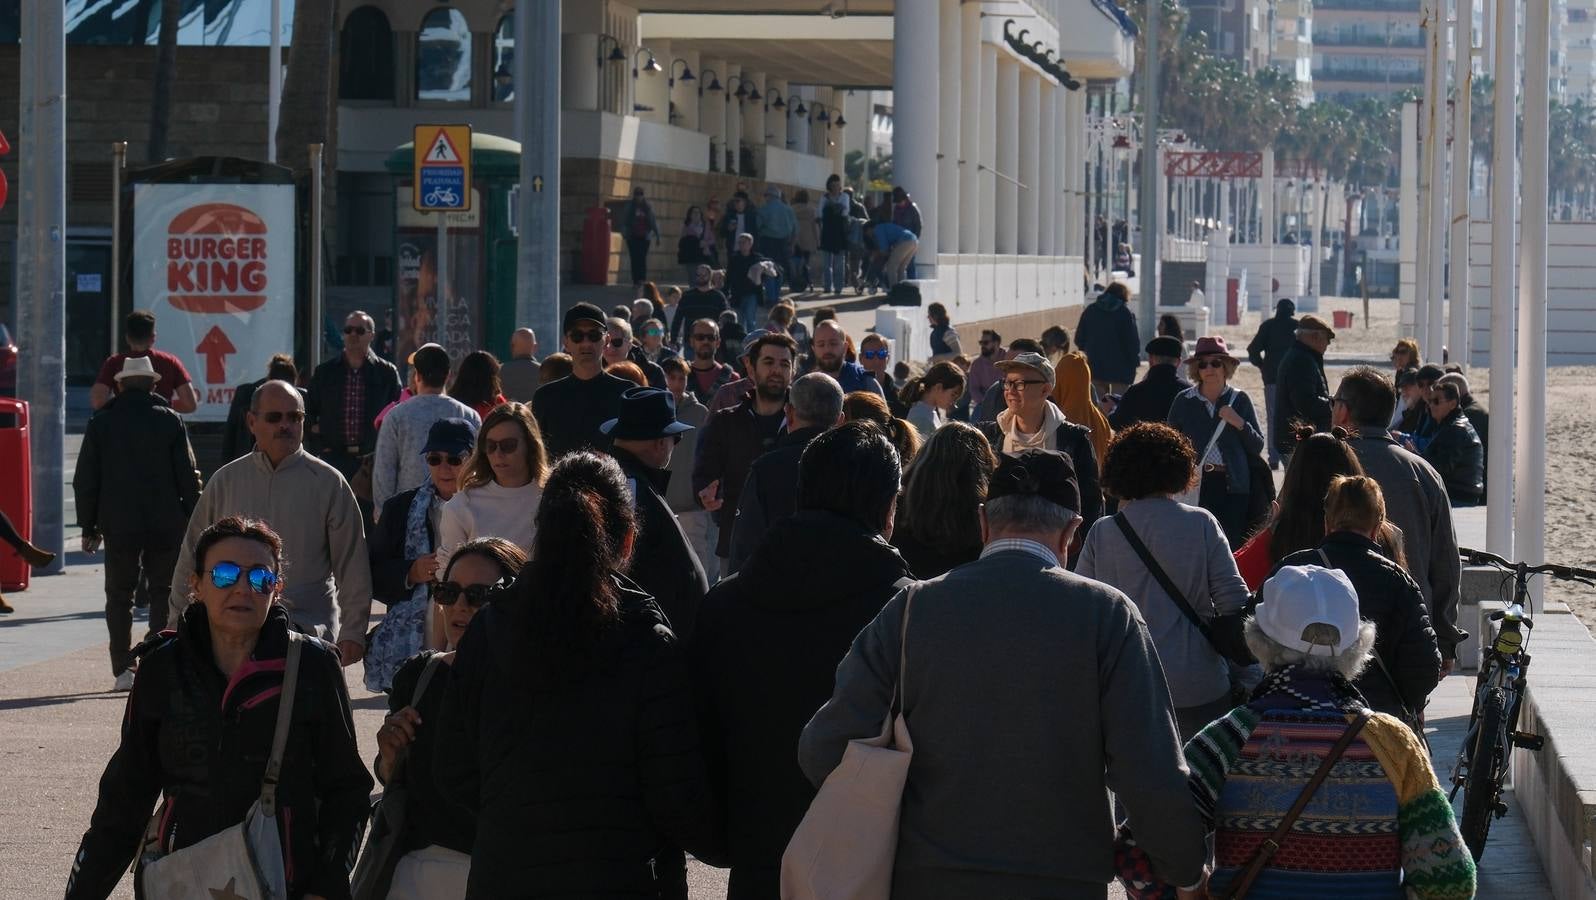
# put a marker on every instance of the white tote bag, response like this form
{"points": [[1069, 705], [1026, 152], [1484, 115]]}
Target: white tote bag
{"points": [[1191, 495], [245, 861], [847, 843]]}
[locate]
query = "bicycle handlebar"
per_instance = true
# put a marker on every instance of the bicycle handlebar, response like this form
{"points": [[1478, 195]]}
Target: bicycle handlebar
{"points": [[1564, 573]]}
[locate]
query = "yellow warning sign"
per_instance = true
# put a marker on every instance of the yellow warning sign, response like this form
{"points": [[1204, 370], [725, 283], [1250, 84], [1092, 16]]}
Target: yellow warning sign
{"points": [[442, 168]]}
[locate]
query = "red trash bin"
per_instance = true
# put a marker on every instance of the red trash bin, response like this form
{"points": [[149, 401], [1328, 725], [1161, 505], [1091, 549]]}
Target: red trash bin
{"points": [[596, 246], [16, 489]]}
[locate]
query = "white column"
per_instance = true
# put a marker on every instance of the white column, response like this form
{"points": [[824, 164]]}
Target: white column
{"points": [[915, 119], [685, 93], [712, 109], [970, 222], [579, 70], [989, 120], [734, 120], [1462, 158], [950, 98], [1504, 269], [1408, 219], [1073, 123], [797, 126], [1047, 187], [1435, 334], [1008, 162], [860, 111], [1529, 511], [1030, 161], [775, 119], [651, 89]]}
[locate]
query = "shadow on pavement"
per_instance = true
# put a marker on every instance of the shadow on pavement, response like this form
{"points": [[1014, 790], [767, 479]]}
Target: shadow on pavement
{"points": [[58, 699], [13, 621]]}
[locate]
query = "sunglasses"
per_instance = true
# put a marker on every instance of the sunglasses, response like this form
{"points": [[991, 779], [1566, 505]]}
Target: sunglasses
{"points": [[618, 342], [652, 332], [1016, 385], [587, 336], [445, 593], [1210, 364], [357, 330], [437, 459], [506, 446], [294, 416], [875, 354], [261, 579]]}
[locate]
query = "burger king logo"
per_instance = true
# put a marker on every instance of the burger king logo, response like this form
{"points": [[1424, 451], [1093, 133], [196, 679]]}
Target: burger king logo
{"points": [[216, 259]]}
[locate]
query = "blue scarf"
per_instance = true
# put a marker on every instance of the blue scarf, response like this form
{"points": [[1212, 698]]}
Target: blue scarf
{"points": [[402, 632]]}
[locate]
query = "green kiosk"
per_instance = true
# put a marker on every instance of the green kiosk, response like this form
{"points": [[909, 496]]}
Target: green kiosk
{"points": [[476, 308]]}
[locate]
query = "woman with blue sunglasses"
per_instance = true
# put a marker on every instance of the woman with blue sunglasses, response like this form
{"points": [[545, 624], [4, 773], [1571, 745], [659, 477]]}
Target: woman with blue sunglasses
{"points": [[199, 728]]}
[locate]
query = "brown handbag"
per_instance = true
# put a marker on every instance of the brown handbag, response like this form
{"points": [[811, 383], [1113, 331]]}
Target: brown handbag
{"points": [[1266, 851]]}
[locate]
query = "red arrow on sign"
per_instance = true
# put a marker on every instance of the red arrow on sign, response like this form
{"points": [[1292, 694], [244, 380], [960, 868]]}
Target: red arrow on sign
{"points": [[216, 348]]}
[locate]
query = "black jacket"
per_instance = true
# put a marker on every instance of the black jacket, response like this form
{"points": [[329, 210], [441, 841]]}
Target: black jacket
{"points": [[924, 560], [385, 547], [580, 782], [663, 562], [1456, 453], [201, 743], [769, 495], [1075, 441], [431, 816], [324, 408], [1149, 400], [763, 659], [730, 442], [1405, 642], [236, 437], [1270, 344], [1481, 420], [136, 472], [738, 285], [695, 304], [652, 373], [1107, 335], [1302, 393]]}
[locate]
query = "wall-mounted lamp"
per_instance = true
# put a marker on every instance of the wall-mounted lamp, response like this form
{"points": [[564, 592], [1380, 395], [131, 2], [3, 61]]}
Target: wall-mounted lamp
{"points": [[741, 93], [616, 54], [714, 83], [687, 72], [651, 66]]}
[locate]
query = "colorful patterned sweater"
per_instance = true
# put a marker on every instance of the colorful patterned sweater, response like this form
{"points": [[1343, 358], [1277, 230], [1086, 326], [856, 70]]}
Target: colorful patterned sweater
{"points": [[1379, 826]]}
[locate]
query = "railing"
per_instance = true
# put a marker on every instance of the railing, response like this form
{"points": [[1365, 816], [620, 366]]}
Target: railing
{"points": [[1368, 75], [1370, 39], [1392, 6]]}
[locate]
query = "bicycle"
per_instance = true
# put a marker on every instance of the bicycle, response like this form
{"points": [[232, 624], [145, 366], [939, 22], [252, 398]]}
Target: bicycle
{"points": [[1492, 734]]}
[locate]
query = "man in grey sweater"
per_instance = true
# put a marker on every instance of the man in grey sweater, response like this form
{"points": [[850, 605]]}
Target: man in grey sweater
{"points": [[399, 465], [1030, 693], [1415, 500]]}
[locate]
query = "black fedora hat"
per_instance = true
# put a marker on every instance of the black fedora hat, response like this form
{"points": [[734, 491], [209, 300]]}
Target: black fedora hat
{"points": [[646, 414]]}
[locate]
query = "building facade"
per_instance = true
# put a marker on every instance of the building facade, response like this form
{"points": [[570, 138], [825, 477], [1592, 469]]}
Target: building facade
{"points": [[1367, 48]]}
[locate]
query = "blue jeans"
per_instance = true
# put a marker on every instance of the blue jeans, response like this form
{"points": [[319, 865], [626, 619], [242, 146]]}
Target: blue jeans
{"points": [[835, 272], [748, 309]]}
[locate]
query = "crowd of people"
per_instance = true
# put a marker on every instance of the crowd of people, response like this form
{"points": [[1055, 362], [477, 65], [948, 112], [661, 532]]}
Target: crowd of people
{"points": [[640, 597]]}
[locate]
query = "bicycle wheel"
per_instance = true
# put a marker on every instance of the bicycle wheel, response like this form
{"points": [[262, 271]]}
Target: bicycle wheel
{"points": [[1481, 788]]}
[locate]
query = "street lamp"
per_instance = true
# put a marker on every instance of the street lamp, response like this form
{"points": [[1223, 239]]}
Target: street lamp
{"points": [[742, 88], [687, 72], [651, 66], [714, 83], [616, 54], [798, 109]]}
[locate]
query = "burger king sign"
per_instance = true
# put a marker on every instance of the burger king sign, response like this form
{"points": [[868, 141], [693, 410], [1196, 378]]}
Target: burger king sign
{"points": [[215, 263]]}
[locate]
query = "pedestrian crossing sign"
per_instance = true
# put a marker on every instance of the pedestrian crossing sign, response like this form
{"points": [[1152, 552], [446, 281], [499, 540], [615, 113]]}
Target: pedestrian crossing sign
{"points": [[442, 168]]}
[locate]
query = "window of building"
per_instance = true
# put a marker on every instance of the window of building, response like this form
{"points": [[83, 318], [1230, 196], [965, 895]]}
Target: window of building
{"points": [[504, 60], [201, 23], [365, 56], [443, 57]]}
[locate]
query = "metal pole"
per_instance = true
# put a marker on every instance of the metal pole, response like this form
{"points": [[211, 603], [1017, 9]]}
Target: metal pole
{"points": [[440, 312], [1152, 227], [1504, 191], [274, 89], [1438, 190], [315, 279], [1529, 519], [41, 261], [1457, 286], [537, 115], [118, 163]]}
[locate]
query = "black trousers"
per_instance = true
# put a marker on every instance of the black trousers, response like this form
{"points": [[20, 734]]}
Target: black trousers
{"points": [[127, 557], [638, 248], [9, 533], [1230, 509]]}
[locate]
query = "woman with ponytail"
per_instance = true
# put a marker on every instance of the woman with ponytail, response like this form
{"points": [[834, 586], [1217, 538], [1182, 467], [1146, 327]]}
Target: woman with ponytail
{"points": [[572, 723], [930, 396], [870, 407]]}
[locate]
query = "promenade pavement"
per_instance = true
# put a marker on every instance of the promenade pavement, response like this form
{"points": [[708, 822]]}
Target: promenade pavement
{"points": [[59, 726]]}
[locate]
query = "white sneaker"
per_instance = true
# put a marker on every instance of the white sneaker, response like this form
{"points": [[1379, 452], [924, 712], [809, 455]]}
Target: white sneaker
{"points": [[124, 681]]}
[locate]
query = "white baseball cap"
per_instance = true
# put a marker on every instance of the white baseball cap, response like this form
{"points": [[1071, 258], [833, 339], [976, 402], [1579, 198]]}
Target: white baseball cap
{"points": [[1298, 596]]}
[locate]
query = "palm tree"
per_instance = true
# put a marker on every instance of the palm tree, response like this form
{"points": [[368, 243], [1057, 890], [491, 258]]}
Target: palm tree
{"points": [[310, 94]]}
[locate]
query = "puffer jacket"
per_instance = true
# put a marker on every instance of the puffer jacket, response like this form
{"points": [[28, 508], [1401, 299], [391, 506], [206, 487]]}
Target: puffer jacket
{"points": [[200, 741], [1455, 451], [136, 472], [763, 660], [1107, 335], [1301, 394], [584, 784], [1387, 596]]}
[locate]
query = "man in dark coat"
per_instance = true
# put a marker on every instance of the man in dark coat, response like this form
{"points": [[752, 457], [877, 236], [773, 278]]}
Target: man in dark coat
{"points": [[1107, 335], [570, 410], [135, 486], [771, 492], [735, 437], [1149, 400], [663, 562], [346, 393], [1275, 336], [1304, 394], [769, 639]]}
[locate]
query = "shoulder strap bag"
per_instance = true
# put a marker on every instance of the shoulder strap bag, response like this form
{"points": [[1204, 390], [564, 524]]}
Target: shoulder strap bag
{"points": [[1191, 495], [847, 843], [1266, 851], [373, 875], [246, 859], [1224, 634]]}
